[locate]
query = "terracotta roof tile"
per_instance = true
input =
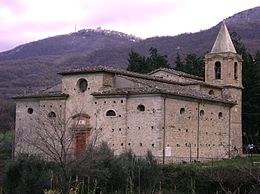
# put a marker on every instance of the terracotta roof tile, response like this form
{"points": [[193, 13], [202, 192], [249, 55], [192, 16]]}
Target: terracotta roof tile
{"points": [[146, 90], [147, 85], [43, 94], [100, 69], [179, 73]]}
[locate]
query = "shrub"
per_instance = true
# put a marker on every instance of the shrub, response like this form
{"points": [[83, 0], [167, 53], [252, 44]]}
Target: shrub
{"points": [[27, 174]]}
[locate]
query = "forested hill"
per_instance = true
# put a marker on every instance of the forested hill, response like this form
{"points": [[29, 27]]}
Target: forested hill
{"points": [[84, 41], [35, 64]]}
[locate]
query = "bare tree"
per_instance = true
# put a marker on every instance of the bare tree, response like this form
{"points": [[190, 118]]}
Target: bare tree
{"points": [[54, 137], [7, 117]]}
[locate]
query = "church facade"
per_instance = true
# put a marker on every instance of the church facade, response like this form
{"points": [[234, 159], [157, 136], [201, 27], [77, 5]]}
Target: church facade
{"points": [[175, 115]]}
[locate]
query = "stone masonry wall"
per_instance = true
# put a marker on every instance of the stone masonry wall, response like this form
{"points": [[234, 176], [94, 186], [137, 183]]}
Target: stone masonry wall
{"points": [[145, 126], [33, 119], [197, 130], [26, 113], [181, 127]]}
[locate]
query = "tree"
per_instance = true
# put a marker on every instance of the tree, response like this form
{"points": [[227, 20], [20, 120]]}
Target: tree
{"points": [[52, 137], [250, 104], [156, 61], [141, 64], [137, 63], [7, 116], [192, 64], [7, 119], [256, 96], [179, 66], [27, 174]]}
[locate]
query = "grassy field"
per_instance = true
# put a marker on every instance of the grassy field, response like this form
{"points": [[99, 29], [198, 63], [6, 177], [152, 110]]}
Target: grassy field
{"points": [[244, 161]]}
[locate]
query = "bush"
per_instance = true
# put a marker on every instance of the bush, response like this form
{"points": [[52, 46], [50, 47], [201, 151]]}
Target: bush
{"points": [[133, 174], [183, 179], [101, 169], [27, 174], [179, 179]]}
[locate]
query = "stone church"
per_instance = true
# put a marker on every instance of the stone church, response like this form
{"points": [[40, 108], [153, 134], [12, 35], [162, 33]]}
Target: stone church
{"points": [[175, 115]]}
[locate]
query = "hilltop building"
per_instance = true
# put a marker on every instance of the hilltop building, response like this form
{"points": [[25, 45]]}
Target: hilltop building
{"points": [[175, 115]]}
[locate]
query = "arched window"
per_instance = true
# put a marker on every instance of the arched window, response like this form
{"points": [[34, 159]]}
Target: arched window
{"points": [[182, 111], [202, 113], [217, 70], [83, 85], [81, 121], [141, 107], [111, 113], [220, 115], [235, 70]]}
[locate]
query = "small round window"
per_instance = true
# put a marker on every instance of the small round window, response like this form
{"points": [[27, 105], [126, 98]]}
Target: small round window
{"points": [[83, 85], [141, 107], [30, 110], [182, 110], [51, 114], [211, 92]]}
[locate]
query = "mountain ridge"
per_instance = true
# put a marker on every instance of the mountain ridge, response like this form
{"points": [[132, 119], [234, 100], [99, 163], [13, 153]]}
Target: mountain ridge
{"points": [[36, 64], [69, 43]]}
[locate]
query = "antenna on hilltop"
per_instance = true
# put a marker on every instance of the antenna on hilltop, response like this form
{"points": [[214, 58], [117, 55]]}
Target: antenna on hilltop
{"points": [[75, 27]]}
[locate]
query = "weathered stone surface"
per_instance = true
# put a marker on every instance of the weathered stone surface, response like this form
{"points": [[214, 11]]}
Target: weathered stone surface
{"points": [[175, 115]]}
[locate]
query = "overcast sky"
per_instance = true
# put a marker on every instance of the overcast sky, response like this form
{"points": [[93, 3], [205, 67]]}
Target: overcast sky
{"points": [[23, 21]]}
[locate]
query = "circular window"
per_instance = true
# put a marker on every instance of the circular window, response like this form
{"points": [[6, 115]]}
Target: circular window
{"points": [[211, 92], [83, 85], [30, 110], [51, 114], [141, 107]]}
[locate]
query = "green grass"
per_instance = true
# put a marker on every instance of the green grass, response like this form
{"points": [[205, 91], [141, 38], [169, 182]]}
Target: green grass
{"points": [[245, 161], [241, 162]]}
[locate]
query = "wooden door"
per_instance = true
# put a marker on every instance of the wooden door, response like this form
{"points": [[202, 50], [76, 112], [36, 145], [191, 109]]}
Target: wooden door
{"points": [[80, 143]]}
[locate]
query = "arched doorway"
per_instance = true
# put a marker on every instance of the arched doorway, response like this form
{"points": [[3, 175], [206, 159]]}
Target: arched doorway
{"points": [[81, 128]]}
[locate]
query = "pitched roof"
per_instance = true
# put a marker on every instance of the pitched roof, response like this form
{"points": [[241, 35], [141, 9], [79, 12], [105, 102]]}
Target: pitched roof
{"points": [[106, 69], [175, 72], [43, 94], [153, 87], [146, 90], [223, 42], [147, 84]]}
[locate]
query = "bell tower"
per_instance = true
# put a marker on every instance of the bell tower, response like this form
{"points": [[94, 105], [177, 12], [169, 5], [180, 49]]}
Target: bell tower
{"points": [[223, 67]]}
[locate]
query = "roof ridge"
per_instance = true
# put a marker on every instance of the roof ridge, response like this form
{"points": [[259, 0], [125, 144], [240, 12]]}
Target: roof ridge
{"points": [[173, 71]]}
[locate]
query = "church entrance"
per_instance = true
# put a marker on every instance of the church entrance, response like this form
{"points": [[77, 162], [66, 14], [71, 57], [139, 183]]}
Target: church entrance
{"points": [[80, 143], [81, 129]]}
